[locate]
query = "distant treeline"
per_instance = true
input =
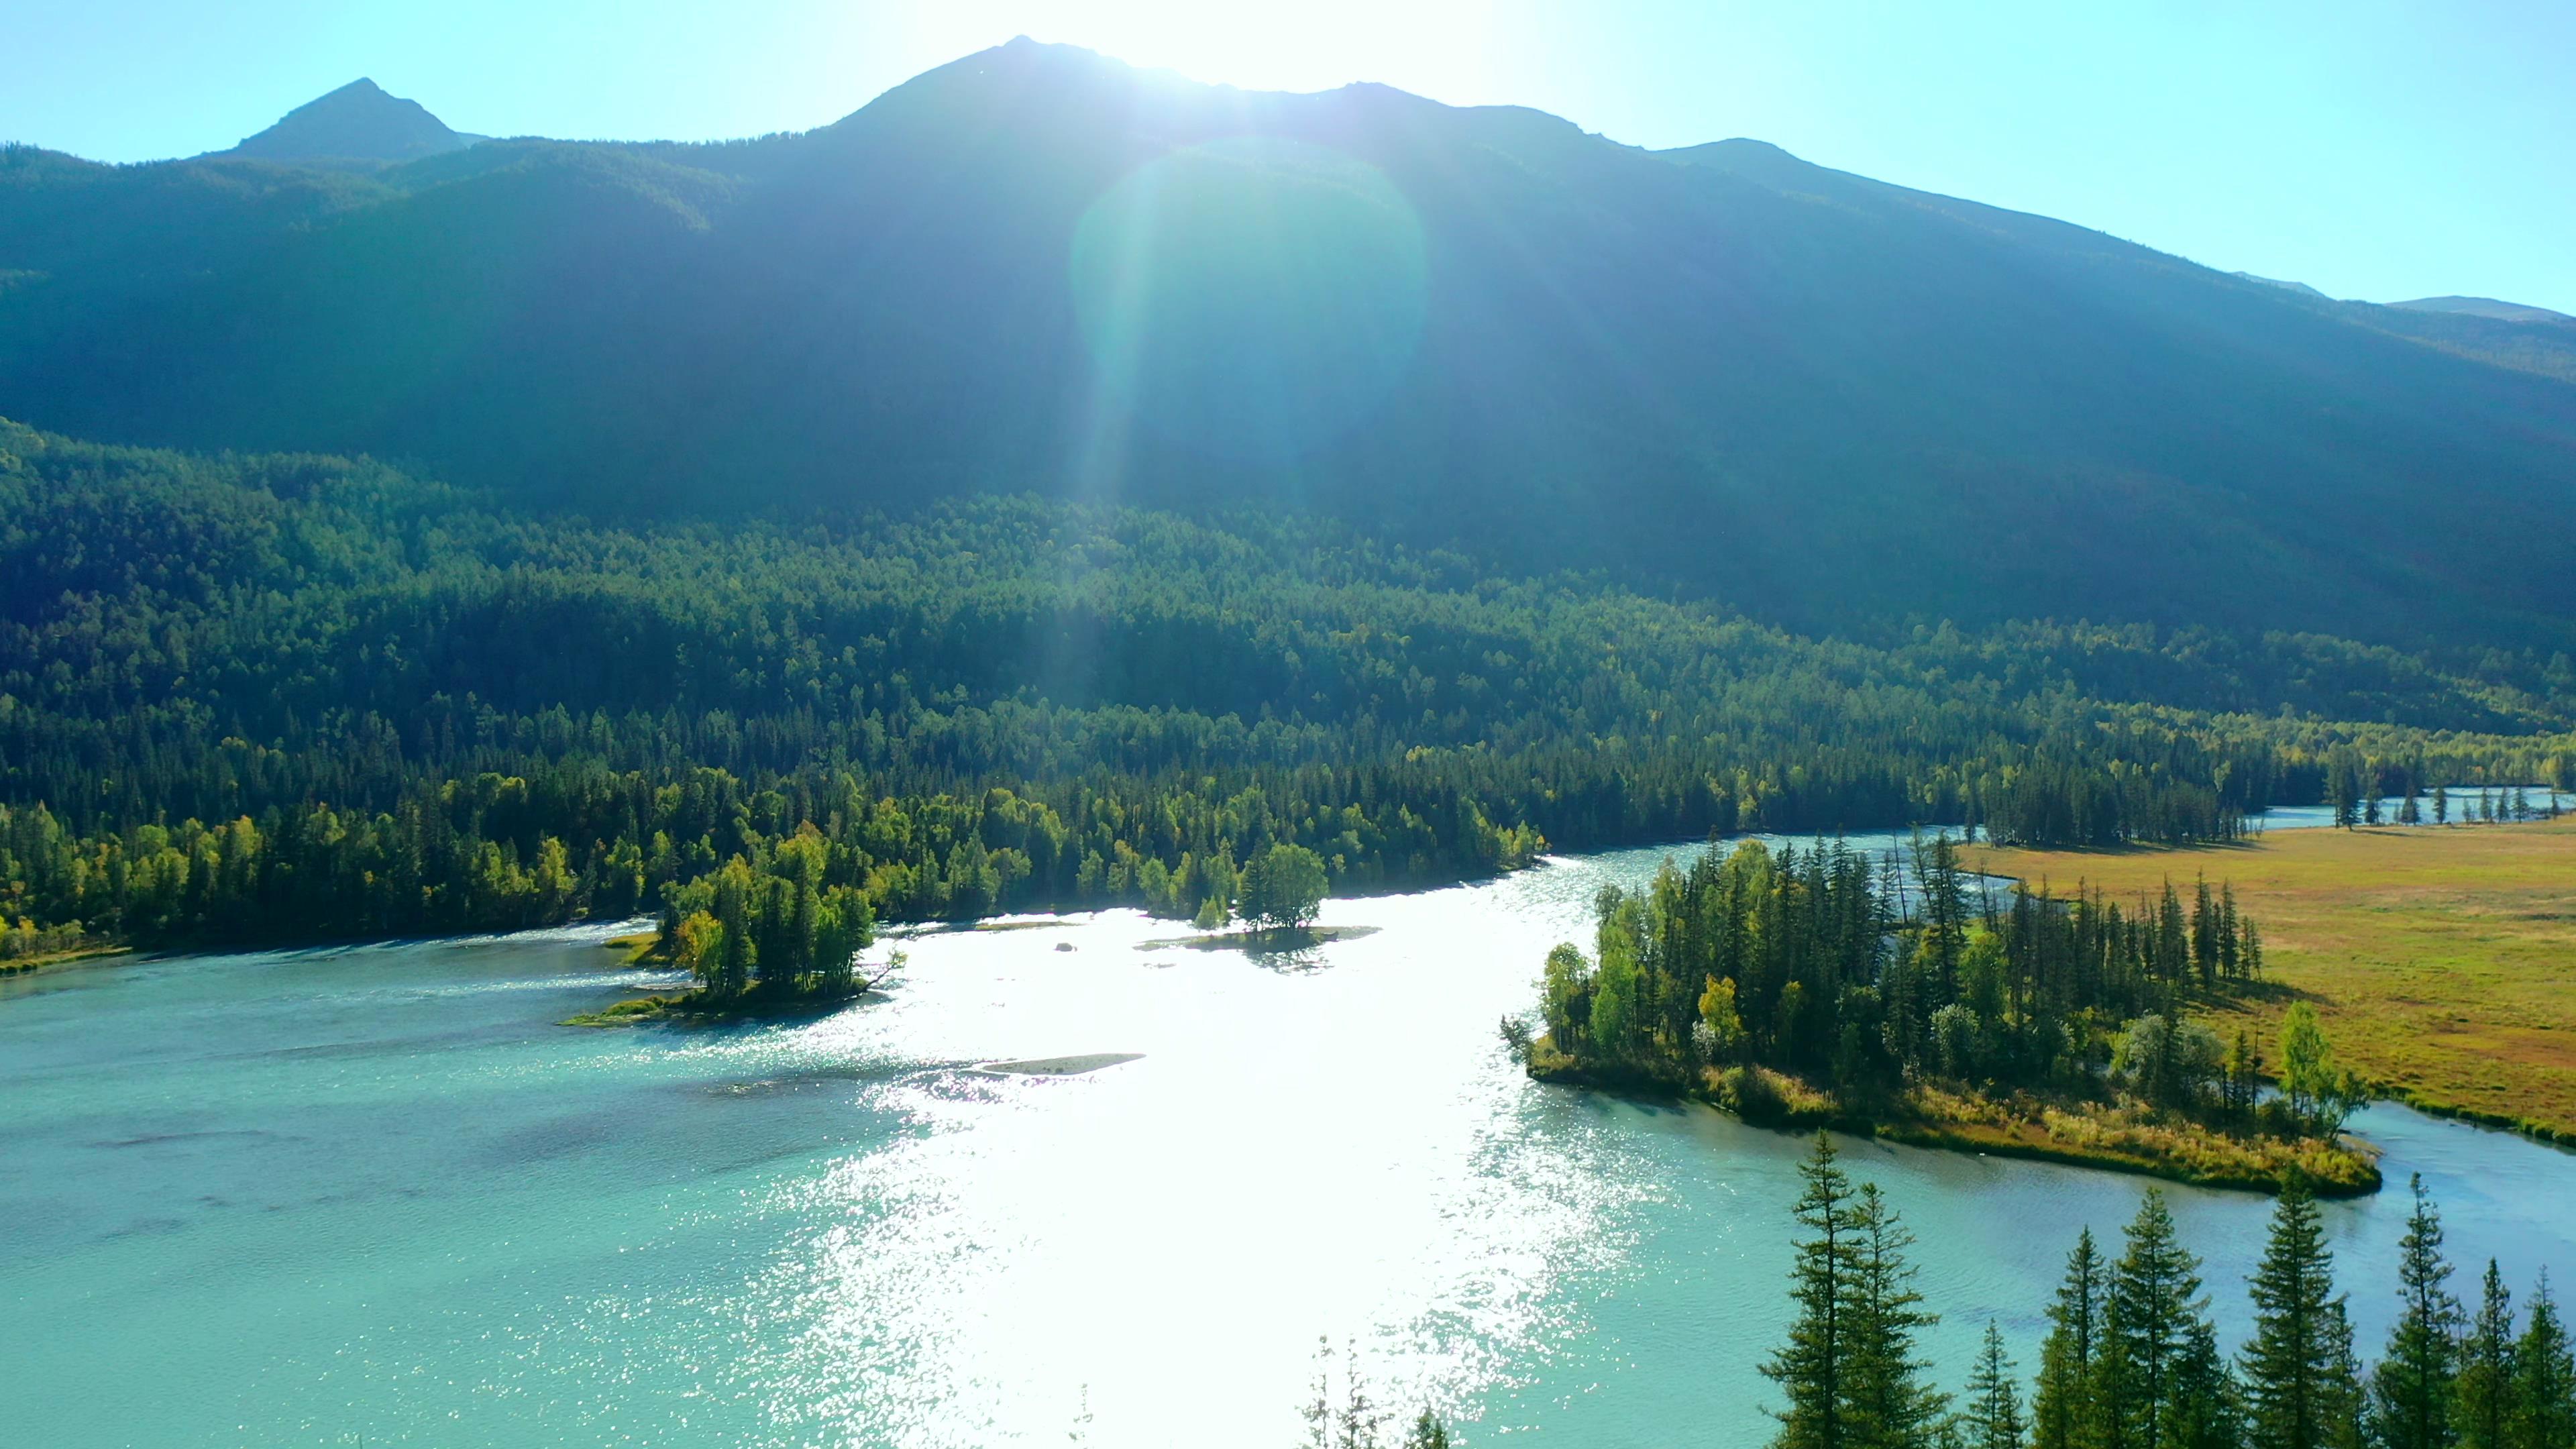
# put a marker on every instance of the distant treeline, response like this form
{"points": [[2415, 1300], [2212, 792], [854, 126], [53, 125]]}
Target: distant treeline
{"points": [[292, 697]]}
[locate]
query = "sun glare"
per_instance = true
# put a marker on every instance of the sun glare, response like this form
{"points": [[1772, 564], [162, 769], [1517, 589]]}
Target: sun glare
{"points": [[1436, 48]]}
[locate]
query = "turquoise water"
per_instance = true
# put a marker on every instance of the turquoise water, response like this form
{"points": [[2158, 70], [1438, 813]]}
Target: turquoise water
{"points": [[377, 1196]]}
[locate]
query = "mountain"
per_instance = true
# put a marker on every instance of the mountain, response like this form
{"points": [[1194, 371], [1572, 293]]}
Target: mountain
{"points": [[2486, 307], [356, 123], [2302, 288], [1718, 372]]}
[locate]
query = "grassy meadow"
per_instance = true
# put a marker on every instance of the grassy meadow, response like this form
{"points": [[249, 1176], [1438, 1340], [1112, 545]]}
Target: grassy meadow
{"points": [[2442, 960]]}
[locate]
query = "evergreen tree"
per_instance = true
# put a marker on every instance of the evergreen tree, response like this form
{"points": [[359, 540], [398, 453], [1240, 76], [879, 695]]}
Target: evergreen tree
{"points": [[2063, 1414], [2152, 1313], [2297, 1367], [2484, 1412], [2205, 1412], [2413, 1393], [1891, 1406], [1427, 1433], [1993, 1418], [1813, 1367], [2544, 1379]]}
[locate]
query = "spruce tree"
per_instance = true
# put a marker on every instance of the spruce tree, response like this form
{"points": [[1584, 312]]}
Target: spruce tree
{"points": [[1993, 1417], [2151, 1314], [2412, 1394], [1888, 1404], [2297, 1368], [2205, 1412], [2063, 1412], [2484, 1412], [2544, 1379], [1811, 1367]]}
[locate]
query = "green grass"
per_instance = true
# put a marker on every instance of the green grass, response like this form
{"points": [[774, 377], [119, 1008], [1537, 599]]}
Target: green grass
{"points": [[637, 949], [2439, 960], [25, 965]]}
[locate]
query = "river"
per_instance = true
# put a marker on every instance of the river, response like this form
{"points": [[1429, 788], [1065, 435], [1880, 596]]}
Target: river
{"points": [[378, 1196]]}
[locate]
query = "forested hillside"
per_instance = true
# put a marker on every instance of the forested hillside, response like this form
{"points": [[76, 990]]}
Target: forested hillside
{"points": [[275, 697], [1825, 403]]}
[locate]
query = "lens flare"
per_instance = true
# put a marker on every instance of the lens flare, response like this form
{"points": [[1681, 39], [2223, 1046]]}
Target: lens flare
{"points": [[1250, 298]]}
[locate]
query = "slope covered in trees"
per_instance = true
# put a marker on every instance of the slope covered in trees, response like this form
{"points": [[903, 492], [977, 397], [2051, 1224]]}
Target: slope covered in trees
{"points": [[297, 696], [1830, 403]]}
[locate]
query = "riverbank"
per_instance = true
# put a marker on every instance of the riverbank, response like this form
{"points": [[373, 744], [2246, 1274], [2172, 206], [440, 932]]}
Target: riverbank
{"points": [[29, 965], [2075, 1132], [2435, 957], [696, 1008]]}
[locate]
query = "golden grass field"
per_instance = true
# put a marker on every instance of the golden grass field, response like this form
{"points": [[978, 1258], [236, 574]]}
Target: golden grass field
{"points": [[2442, 961]]}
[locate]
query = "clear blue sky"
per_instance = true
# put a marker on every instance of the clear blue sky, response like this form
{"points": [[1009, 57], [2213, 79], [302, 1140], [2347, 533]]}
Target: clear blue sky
{"points": [[2372, 150]]}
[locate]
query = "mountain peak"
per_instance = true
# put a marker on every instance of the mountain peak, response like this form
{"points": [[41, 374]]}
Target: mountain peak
{"points": [[359, 122]]}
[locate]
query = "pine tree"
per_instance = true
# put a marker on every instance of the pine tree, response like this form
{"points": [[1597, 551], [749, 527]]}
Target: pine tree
{"points": [[1889, 1406], [2484, 1415], [1811, 1368], [2544, 1379], [1427, 1433], [2412, 1394], [2063, 1412], [1993, 1418], [2297, 1367], [2205, 1412], [2152, 1312]]}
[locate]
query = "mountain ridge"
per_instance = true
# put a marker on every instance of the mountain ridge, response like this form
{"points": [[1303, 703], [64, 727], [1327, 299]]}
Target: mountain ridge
{"points": [[1722, 370], [2486, 307]]}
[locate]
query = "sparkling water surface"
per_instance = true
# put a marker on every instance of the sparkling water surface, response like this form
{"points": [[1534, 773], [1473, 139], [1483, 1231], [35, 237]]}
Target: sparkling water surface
{"points": [[379, 1196]]}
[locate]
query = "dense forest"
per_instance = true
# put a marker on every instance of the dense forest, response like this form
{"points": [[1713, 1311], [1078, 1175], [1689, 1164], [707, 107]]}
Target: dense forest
{"points": [[264, 698]]}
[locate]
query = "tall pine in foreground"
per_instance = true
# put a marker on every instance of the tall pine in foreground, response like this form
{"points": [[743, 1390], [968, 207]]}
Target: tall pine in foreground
{"points": [[2154, 1314], [2484, 1412], [2414, 1392], [2544, 1379], [1992, 1419], [2301, 1388], [2064, 1412], [1890, 1404], [1812, 1367]]}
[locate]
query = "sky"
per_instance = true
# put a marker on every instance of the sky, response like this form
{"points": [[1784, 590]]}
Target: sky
{"points": [[2372, 150]]}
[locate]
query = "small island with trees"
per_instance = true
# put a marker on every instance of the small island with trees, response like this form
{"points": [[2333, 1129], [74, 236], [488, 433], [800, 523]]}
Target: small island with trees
{"points": [[1823, 987], [773, 935], [764, 937]]}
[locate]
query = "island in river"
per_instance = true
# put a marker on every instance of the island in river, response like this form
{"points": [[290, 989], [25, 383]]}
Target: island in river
{"points": [[1825, 987]]}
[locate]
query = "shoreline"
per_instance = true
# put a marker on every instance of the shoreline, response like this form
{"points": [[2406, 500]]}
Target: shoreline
{"points": [[684, 1009], [1793, 1106], [51, 960]]}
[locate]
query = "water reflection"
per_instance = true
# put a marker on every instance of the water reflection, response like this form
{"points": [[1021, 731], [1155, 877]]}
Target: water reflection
{"points": [[481, 1227]]}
